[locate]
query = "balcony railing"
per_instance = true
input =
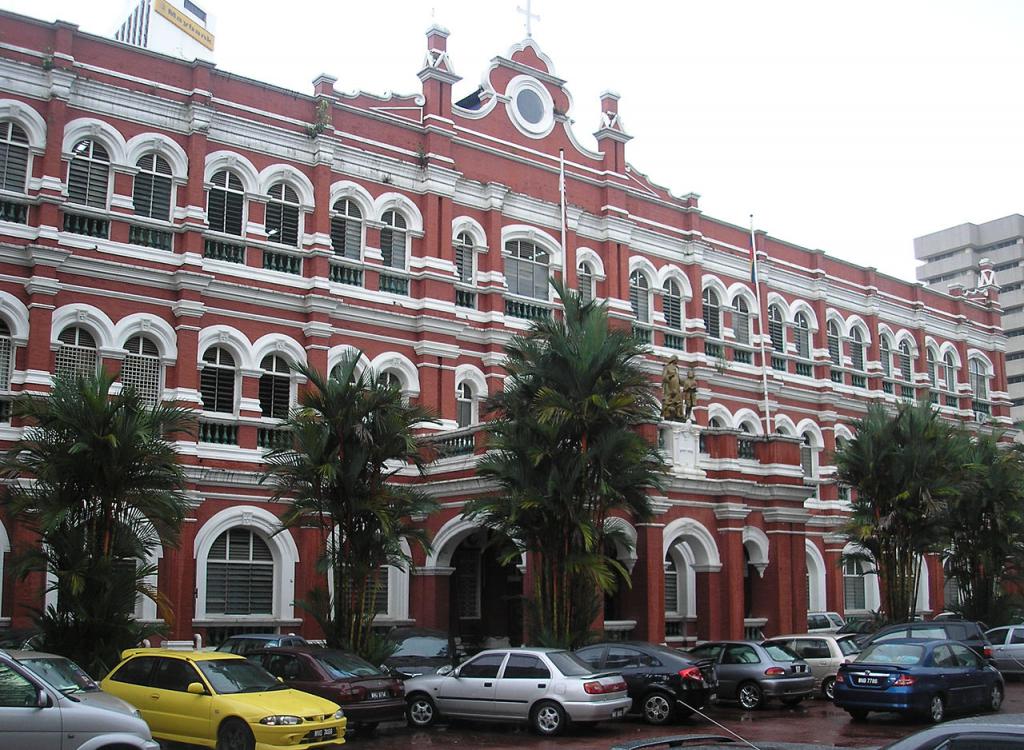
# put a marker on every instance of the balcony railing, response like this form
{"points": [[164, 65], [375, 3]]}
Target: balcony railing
{"points": [[933, 398], [16, 213], [346, 275], [778, 363], [393, 284], [712, 349], [953, 401], [460, 442], [89, 226], [218, 433], [464, 298], [858, 381], [907, 392], [158, 239], [273, 438], [642, 334], [745, 448], [981, 408], [804, 368], [836, 376], [675, 341], [742, 356], [282, 262], [516, 309], [228, 252], [888, 387]]}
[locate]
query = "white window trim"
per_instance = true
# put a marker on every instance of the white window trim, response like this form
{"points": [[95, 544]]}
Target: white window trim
{"points": [[530, 129]]}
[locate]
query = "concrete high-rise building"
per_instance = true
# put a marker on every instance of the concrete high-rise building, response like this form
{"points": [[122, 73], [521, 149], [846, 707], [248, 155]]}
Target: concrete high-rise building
{"points": [[173, 27], [953, 257]]}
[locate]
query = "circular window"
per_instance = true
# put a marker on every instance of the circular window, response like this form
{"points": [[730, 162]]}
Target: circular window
{"points": [[530, 107]]}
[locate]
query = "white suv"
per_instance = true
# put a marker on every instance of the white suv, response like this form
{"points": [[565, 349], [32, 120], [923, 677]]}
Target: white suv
{"points": [[824, 622]]}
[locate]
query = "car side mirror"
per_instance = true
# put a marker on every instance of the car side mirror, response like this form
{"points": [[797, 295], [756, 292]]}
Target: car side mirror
{"points": [[196, 688], [43, 699]]}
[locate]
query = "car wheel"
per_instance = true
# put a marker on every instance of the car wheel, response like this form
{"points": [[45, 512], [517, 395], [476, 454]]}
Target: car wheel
{"points": [[828, 688], [420, 710], [857, 714], [235, 735], [657, 708], [937, 709], [548, 718], [995, 698], [750, 696]]}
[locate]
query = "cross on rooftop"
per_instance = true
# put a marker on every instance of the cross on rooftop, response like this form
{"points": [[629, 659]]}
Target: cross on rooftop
{"points": [[530, 16]]}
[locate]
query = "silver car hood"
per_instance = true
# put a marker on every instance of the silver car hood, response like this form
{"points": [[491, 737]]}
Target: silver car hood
{"points": [[100, 699]]}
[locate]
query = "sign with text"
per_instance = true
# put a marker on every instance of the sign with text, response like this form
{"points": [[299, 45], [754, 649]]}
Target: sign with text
{"points": [[180, 19]]}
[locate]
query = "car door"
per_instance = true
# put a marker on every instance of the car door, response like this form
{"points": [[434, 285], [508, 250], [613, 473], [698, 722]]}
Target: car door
{"points": [[735, 667], [1014, 652], [974, 678], [816, 652], [524, 681], [630, 664], [23, 723], [176, 712], [469, 691], [132, 682], [949, 677], [1000, 652]]}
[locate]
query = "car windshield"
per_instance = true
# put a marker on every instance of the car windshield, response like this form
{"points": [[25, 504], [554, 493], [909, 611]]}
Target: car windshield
{"points": [[427, 646], [848, 646], [340, 665], [227, 676], [569, 664], [900, 654], [780, 653], [62, 673]]}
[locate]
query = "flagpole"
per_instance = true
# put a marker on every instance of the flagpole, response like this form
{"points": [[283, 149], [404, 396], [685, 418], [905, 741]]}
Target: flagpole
{"points": [[561, 202], [760, 329]]}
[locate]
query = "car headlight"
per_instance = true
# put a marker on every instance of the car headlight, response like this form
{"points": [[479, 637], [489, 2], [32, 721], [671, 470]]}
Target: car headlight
{"points": [[339, 714], [280, 721]]}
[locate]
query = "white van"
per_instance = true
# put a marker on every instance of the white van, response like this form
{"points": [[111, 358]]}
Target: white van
{"points": [[824, 622]]}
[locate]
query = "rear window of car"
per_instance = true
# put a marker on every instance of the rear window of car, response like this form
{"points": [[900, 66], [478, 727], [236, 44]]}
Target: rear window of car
{"points": [[569, 664], [780, 653], [936, 631], [848, 646], [901, 654], [340, 665], [422, 645]]}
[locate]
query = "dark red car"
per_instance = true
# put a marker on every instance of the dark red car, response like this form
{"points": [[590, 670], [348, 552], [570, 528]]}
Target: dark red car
{"points": [[367, 695]]}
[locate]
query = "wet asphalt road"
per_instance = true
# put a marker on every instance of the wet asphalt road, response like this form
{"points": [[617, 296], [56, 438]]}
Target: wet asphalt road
{"points": [[812, 722]]}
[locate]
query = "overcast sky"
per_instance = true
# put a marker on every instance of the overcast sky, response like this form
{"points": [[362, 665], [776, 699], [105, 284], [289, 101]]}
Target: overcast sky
{"points": [[851, 127]]}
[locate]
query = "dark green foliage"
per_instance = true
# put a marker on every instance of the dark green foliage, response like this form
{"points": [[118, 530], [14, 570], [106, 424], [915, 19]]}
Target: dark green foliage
{"points": [[567, 453], [352, 433]]}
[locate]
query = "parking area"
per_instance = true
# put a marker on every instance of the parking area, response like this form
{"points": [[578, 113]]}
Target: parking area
{"points": [[812, 722]]}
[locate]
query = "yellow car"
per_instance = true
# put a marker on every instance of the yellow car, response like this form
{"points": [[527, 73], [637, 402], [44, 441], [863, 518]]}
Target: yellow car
{"points": [[221, 701]]}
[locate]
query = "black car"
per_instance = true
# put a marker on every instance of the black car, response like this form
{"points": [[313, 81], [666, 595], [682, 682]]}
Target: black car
{"points": [[664, 684], [861, 630], [967, 632], [420, 651], [1004, 732]]}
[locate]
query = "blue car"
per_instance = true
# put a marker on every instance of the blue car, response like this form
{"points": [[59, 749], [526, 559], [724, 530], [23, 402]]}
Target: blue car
{"points": [[914, 676]]}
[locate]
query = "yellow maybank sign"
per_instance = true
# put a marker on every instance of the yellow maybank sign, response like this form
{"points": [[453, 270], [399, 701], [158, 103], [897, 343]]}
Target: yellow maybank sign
{"points": [[183, 22]]}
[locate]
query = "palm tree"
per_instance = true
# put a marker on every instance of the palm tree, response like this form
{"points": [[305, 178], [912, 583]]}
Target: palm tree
{"points": [[352, 434], [904, 468], [567, 453], [985, 523], [98, 477]]}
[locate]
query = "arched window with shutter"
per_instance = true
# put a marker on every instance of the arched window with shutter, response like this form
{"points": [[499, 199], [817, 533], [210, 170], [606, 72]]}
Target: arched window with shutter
{"points": [[77, 354], [526, 269], [640, 297], [142, 369], [949, 365], [465, 403], [240, 575], [978, 374], [89, 174], [14, 155], [933, 375], [282, 222], [835, 343], [712, 312], [802, 335], [776, 329], [465, 258], [347, 229], [906, 363], [275, 387], [151, 190], [393, 239], [217, 381], [585, 281], [857, 349], [885, 354], [6, 356], [225, 204], [672, 304], [741, 321]]}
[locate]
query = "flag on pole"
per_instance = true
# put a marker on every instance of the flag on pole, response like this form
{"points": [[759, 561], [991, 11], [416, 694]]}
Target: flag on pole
{"points": [[753, 260]]}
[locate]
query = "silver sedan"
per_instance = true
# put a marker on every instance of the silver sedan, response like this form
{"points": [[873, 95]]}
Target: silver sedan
{"points": [[750, 673], [546, 687]]}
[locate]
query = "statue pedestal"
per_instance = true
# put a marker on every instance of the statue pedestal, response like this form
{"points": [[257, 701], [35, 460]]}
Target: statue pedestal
{"points": [[682, 446]]}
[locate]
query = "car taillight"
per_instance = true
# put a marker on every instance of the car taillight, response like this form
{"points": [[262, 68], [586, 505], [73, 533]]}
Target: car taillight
{"points": [[598, 688], [986, 652], [904, 680], [691, 673], [840, 677], [343, 693], [774, 671]]}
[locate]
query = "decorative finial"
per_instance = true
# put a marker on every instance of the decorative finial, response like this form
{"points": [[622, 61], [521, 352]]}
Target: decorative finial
{"points": [[530, 17]]}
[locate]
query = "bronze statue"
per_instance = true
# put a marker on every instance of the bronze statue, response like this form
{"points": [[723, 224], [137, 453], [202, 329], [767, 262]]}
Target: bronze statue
{"points": [[672, 406], [689, 394]]}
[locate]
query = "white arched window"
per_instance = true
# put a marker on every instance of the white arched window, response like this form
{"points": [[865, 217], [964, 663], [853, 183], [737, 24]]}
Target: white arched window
{"points": [[741, 321], [275, 387], [89, 174], [347, 229], [151, 190], [672, 302], [526, 269], [949, 365], [465, 403], [933, 375], [77, 354], [225, 203], [712, 311], [217, 381], [142, 369], [854, 586], [465, 258], [282, 222], [857, 349], [978, 373], [240, 575], [393, 239], [906, 363], [14, 155], [802, 336], [640, 297], [885, 354], [776, 329], [585, 281], [835, 345], [6, 356]]}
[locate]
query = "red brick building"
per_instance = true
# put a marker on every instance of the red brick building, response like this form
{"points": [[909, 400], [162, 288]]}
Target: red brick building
{"points": [[198, 232]]}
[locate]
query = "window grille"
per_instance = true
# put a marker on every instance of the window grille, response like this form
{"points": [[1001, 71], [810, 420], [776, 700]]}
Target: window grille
{"points": [[225, 204], [392, 239], [467, 583], [464, 405], [857, 350], [906, 365], [151, 191], [347, 229], [640, 297], [672, 304], [853, 585], [671, 585], [776, 332], [712, 312], [376, 591], [802, 334], [77, 355], [275, 387], [240, 575], [464, 257], [282, 222], [585, 282], [741, 321], [835, 351], [141, 369], [217, 381], [13, 157], [6, 356], [526, 269], [88, 174]]}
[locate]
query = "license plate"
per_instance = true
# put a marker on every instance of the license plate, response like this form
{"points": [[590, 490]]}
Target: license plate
{"points": [[618, 712], [378, 695], [321, 733], [867, 681]]}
